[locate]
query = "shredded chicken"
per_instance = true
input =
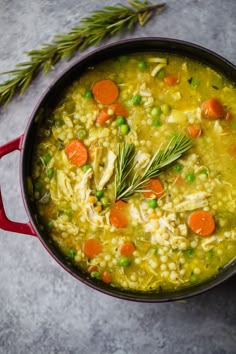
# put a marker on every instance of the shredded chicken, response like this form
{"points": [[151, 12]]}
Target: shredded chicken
{"points": [[108, 170], [82, 189], [62, 189], [191, 202], [141, 159], [96, 163]]}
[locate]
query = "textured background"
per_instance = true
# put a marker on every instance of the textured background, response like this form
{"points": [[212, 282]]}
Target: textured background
{"points": [[42, 308]]}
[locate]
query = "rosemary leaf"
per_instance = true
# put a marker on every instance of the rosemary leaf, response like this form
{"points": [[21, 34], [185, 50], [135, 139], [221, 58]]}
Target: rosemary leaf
{"points": [[103, 23], [129, 181]]}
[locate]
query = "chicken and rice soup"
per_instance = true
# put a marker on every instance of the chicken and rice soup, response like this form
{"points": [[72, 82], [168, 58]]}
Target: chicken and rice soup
{"points": [[134, 172]]}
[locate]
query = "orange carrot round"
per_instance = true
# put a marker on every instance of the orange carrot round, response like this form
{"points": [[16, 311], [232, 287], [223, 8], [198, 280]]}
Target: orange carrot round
{"points": [[106, 277], [92, 268], [103, 116], [201, 223], [156, 189], [233, 150], [76, 152], [228, 116], [193, 131], [92, 247], [212, 109], [127, 249], [117, 215], [171, 80], [105, 91], [119, 109]]}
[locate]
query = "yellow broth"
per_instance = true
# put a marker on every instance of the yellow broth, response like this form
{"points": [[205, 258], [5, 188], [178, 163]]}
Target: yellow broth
{"points": [[167, 253]]}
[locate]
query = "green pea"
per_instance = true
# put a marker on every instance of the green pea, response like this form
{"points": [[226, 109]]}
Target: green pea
{"points": [[189, 252], [190, 177], [88, 94], [153, 250], [99, 194], [82, 134], [177, 167], [96, 275], [166, 109], [142, 65], [124, 261], [50, 172], [123, 59], [71, 254], [68, 212], [46, 158], [59, 123], [193, 279], [137, 99], [60, 146], [104, 201], [70, 106], [50, 225], [194, 82], [210, 254], [85, 168], [156, 112], [120, 120], [124, 129], [161, 74], [152, 203], [204, 172], [156, 123], [37, 187]]}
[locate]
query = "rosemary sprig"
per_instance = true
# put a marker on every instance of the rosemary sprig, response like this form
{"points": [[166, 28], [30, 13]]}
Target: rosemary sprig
{"points": [[91, 31], [128, 180]]}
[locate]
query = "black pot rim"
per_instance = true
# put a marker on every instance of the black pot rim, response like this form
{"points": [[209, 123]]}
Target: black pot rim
{"points": [[152, 297]]}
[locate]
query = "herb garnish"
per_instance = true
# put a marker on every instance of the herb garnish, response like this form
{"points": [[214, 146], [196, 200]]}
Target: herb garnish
{"points": [[129, 180], [92, 30]]}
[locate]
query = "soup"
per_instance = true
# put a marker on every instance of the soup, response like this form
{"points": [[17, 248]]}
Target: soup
{"points": [[134, 172]]}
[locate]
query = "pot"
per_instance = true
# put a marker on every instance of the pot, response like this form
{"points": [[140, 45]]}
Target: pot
{"points": [[47, 102]]}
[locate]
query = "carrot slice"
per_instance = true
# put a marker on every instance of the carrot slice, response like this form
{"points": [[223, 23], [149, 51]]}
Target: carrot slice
{"points": [[105, 91], [228, 116], [233, 150], [193, 131], [92, 268], [76, 152], [119, 109], [156, 188], [212, 109], [103, 116], [106, 277], [117, 215], [92, 247], [202, 223], [171, 80], [127, 249]]}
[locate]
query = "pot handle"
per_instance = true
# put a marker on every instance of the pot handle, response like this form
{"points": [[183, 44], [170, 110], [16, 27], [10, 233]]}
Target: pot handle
{"points": [[5, 223]]}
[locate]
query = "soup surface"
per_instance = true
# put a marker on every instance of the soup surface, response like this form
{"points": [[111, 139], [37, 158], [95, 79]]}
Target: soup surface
{"points": [[134, 172]]}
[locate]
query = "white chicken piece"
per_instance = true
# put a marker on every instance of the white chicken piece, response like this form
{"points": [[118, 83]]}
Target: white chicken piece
{"points": [[176, 117], [141, 159], [96, 164], [95, 218], [151, 226], [66, 226], [82, 189], [208, 243], [179, 242], [108, 170], [62, 189], [191, 202], [165, 224]]}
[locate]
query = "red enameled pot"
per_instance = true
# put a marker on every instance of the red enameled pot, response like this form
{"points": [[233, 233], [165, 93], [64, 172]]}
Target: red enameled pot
{"points": [[48, 101]]}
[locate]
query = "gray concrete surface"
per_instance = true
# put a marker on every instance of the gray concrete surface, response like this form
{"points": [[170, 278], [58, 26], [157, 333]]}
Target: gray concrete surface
{"points": [[42, 308]]}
